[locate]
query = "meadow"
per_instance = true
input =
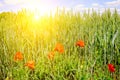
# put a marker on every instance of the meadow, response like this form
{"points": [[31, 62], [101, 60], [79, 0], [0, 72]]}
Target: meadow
{"points": [[48, 48]]}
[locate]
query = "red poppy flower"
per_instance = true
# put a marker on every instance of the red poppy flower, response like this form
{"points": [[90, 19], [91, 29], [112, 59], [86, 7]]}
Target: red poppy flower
{"points": [[51, 55], [18, 56], [111, 67], [30, 64], [59, 47], [80, 43]]}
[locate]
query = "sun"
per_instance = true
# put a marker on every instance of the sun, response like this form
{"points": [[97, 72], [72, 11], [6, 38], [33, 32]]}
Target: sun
{"points": [[36, 17], [38, 8]]}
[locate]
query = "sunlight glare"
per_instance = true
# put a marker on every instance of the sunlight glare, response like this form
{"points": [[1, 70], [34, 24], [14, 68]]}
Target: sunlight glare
{"points": [[36, 17], [40, 8]]}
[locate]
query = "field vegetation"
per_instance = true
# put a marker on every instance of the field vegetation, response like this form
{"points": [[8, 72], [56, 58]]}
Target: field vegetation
{"points": [[63, 46]]}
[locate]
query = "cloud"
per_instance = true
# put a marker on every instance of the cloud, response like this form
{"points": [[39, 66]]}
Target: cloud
{"points": [[96, 5], [82, 8], [1, 4], [28, 4], [79, 6], [15, 2], [113, 3]]}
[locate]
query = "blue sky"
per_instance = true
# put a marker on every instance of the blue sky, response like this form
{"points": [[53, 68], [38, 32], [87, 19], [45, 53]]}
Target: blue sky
{"points": [[15, 5]]}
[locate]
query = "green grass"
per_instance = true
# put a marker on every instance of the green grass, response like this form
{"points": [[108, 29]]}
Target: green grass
{"points": [[100, 32]]}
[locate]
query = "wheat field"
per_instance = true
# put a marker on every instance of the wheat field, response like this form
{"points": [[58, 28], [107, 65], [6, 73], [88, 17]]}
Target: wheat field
{"points": [[100, 33]]}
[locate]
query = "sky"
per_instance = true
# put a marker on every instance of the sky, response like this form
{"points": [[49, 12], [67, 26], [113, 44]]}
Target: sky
{"points": [[45, 5]]}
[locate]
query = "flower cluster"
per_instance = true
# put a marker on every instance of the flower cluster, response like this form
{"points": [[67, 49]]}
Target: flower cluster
{"points": [[19, 56], [59, 48]]}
